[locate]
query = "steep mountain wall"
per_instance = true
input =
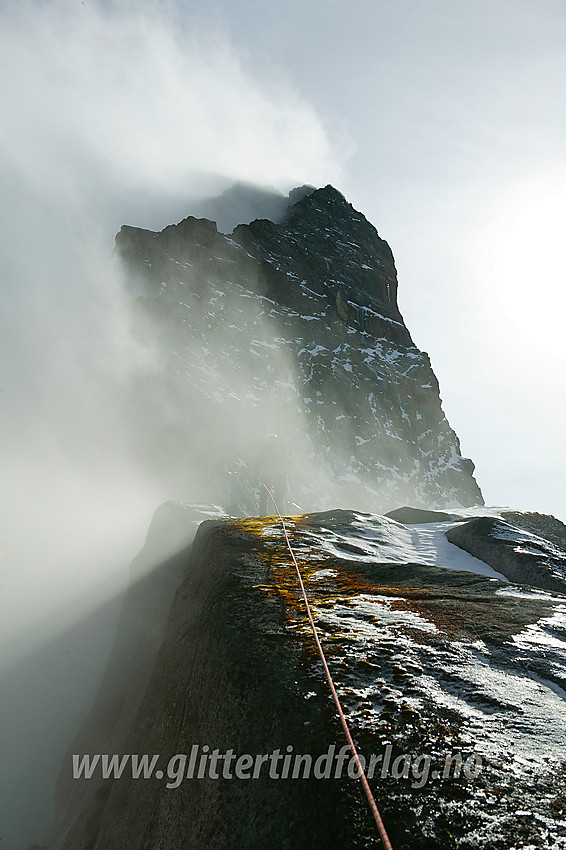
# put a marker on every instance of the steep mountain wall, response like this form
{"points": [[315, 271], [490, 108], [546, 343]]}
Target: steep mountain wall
{"points": [[294, 328]]}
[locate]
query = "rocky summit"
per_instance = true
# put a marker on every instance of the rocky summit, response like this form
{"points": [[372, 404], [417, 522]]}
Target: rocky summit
{"points": [[289, 327]]}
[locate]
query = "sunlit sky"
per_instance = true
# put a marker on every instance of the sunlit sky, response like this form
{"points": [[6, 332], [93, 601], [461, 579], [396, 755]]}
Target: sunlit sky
{"points": [[449, 119]]}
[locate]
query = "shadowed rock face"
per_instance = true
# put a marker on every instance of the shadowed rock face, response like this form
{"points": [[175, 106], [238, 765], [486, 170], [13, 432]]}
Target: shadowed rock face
{"points": [[518, 554], [294, 328], [428, 662], [155, 576], [416, 516], [323, 239]]}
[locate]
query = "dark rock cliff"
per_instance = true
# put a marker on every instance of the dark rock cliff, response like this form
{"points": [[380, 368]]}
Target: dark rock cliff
{"points": [[294, 328]]}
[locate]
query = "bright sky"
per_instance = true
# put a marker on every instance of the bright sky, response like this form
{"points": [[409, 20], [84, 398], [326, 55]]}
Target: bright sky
{"points": [[452, 116]]}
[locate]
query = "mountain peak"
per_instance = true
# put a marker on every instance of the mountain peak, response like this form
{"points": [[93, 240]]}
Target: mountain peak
{"points": [[243, 202], [293, 326]]}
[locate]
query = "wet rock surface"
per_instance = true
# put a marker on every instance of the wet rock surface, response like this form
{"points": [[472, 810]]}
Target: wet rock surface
{"points": [[435, 668], [519, 554]]}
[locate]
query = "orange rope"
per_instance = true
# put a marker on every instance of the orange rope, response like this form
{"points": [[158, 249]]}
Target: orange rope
{"points": [[361, 772]]}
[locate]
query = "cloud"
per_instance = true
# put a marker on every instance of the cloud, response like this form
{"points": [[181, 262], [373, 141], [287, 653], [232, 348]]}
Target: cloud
{"points": [[113, 113], [135, 94], [116, 113]]}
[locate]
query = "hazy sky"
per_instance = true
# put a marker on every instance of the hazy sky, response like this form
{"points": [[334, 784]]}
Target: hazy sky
{"points": [[441, 121]]}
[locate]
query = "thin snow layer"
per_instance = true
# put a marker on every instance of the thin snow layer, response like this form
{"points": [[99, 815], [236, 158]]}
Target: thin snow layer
{"points": [[496, 703], [432, 547], [438, 672], [510, 692], [377, 539]]}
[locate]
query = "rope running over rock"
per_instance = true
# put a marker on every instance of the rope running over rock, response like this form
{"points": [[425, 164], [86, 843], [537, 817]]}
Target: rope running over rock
{"points": [[361, 773]]}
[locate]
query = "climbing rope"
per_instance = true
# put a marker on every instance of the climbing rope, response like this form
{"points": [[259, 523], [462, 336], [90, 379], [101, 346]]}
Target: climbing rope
{"points": [[361, 772]]}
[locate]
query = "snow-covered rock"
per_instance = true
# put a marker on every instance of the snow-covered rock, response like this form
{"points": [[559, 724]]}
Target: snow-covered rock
{"points": [[452, 680]]}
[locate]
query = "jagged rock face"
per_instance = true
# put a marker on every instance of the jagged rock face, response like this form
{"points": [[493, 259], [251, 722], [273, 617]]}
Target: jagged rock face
{"points": [[290, 328], [324, 242], [428, 662]]}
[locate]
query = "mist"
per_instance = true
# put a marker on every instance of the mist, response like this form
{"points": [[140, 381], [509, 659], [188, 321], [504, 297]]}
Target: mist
{"points": [[113, 113]]}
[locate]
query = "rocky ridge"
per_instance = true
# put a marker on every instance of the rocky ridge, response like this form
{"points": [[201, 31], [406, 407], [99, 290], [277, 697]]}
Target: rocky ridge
{"points": [[438, 658], [436, 666]]}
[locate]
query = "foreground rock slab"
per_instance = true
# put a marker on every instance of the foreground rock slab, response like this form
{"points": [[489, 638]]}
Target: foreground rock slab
{"points": [[454, 682]]}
